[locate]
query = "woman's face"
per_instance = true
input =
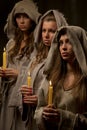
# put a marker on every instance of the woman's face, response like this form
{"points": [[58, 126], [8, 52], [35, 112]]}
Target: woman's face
{"points": [[66, 49], [23, 22], [48, 30]]}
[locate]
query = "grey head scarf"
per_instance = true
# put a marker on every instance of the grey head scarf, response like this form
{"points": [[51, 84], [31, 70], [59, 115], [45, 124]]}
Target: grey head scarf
{"points": [[60, 20], [25, 6], [78, 39]]}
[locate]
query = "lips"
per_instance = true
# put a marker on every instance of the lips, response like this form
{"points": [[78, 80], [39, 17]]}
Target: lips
{"points": [[46, 40], [64, 54], [22, 26]]}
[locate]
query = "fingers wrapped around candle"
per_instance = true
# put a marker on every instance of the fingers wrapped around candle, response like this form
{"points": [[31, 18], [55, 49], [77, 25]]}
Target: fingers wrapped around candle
{"points": [[51, 114], [26, 90], [8, 72], [30, 99], [1, 72]]}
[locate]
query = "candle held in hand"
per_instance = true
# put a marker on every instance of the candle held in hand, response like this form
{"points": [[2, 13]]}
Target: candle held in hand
{"points": [[29, 79], [4, 59], [50, 93]]}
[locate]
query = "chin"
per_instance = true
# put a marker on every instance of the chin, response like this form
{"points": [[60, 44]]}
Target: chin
{"points": [[46, 44], [24, 30], [65, 58]]}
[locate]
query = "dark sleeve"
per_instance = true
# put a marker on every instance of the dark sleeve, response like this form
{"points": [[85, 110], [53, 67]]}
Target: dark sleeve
{"points": [[81, 122], [70, 120]]}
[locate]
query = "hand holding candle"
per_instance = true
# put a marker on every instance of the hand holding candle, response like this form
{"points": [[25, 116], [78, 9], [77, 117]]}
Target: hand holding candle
{"points": [[50, 93], [4, 59]]}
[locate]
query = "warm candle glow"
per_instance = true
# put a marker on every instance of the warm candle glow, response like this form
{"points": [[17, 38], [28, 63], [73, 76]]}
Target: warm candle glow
{"points": [[4, 59], [29, 79], [50, 93]]}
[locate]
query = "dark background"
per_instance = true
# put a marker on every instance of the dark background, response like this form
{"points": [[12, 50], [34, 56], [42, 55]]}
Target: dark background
{"points": [[75, 12]]}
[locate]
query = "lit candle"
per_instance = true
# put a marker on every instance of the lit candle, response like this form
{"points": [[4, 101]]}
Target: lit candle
{"points": [[4, 59], [29, 79], [50, 93]]}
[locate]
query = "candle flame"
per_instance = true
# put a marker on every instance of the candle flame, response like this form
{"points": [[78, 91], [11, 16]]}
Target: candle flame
{"points": [[28, 73], [50, 82], [4, 49]]}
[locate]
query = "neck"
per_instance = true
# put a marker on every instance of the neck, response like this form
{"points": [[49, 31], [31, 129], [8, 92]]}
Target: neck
{"points": [[23, 42], [70, 67], [25, 36], [47, 49]]}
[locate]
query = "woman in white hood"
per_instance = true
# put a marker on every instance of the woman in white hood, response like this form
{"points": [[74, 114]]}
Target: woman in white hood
{"points": [[20, 25]]}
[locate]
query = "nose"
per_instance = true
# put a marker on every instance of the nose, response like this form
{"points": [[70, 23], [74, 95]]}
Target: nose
{"points": [[46, 34], [21, 20], [64, 47]]}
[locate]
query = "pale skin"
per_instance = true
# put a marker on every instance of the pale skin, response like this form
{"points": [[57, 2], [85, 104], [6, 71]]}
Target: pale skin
{"points": [[50, 113], [67, 54], [48, 31], [8, 72], [24, 23], [28, 97]]}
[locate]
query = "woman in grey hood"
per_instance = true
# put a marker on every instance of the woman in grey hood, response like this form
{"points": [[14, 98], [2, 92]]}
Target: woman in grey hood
{"points": [[20, 25], [68, 74], [23, 6], [44, 32]]}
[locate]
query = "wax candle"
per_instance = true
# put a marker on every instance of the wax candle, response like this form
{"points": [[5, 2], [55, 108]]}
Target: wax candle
{"points": [[29, 79], [4, 59], [50, 93]]}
